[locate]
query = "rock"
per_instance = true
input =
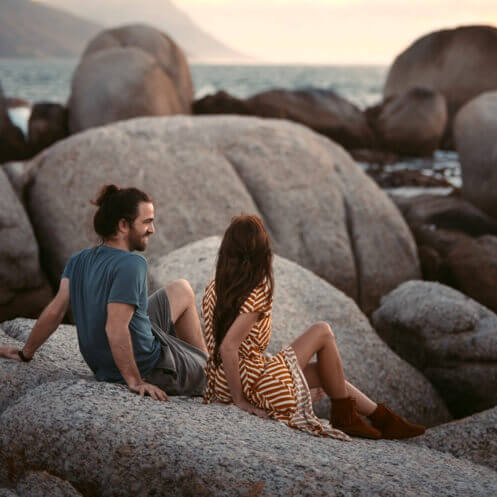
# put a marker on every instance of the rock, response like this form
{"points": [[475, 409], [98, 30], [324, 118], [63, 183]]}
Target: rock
{"points": [[47, 124], [475, 132], [23, 287], [301, 299], [126, 72], [107, 441], [449, 337], [445, 212], [473, 267], [12, 143], [43, 484], [321, 209], [323, 111], [59, 358], [5, 492], [473, 438], [459, 63], [412, 123]]}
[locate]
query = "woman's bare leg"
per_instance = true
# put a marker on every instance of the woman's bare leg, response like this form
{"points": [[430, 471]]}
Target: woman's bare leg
{"points": [[184, 313], [364, 404], [320, 339]]}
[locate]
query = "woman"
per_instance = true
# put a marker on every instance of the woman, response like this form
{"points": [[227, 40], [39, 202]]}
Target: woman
{"points": [[237, 309]]}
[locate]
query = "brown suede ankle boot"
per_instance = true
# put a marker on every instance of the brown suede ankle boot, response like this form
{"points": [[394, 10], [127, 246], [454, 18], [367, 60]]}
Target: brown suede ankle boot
{"points": [[345, 417], [392, 425]]}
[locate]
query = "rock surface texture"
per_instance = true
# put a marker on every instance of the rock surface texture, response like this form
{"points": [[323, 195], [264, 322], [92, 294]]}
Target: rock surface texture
{"points": [[449, 337], [23, 288], [473, 438], [320, 208], [126, 72], [323, 111], [475, 133], [12, 143], [459, 63]]}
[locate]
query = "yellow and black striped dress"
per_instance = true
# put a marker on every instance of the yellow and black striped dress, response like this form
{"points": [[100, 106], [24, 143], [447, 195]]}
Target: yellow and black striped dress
{"points": [[276, 385]]}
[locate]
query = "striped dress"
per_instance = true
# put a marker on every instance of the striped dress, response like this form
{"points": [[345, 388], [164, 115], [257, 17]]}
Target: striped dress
{"points": [[276, 385]]}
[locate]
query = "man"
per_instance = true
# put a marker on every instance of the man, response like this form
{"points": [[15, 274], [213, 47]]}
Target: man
{"points": [[154, 345]]}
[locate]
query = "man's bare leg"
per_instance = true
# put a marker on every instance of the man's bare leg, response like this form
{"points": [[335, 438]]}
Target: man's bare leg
{"points": [[184, 313]]}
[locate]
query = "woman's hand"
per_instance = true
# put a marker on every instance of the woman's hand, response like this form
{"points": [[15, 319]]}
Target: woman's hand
{"points": [[247, 406]]}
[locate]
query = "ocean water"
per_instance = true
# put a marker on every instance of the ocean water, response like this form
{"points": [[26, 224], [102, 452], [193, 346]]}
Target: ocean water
{"points": [[37, 80], [50, 79]]}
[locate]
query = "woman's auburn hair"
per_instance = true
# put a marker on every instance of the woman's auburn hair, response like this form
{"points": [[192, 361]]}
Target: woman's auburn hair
{"points": [[244, 262]]}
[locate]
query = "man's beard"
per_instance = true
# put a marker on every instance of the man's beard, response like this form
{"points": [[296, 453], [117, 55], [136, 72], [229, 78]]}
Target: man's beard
{"points": [[136, 241]]}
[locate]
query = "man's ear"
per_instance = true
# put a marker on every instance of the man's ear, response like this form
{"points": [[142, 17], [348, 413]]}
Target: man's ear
{"points": [[123, 225]]}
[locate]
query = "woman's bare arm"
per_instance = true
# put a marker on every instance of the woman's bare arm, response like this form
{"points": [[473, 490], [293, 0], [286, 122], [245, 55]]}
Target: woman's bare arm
{"points": [[228, 350]]}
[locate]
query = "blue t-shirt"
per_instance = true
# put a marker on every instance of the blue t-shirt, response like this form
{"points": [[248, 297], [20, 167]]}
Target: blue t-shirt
{"points": [[100, 275]]}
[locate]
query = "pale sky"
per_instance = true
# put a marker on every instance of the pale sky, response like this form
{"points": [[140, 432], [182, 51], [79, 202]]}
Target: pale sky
{"points": [[331, 31]]}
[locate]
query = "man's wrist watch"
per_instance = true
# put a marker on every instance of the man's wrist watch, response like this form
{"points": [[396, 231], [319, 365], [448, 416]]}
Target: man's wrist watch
{"points": [[23, 357]]}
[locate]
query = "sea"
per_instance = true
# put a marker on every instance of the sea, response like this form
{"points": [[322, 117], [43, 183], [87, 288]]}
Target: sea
{"points": [[49, 80]]}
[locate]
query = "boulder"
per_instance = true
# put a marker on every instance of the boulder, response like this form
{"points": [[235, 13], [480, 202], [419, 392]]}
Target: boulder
{"points": [[323, 111], [106, 441], [459, 63], [473, 438], [59, 358], [24, 289], [47, 124], [301, 299], [412, 123], [473, 267], [130, 71], [449, 337], [445, 212], [475, 132], [320, 208], [12, 143]]}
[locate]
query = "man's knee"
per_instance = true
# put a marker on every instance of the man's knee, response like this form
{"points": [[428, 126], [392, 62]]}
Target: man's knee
{"points": [[182, 288]]}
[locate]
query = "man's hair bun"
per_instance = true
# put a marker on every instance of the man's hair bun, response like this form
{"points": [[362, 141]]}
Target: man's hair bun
{"points": [[105, 192]]}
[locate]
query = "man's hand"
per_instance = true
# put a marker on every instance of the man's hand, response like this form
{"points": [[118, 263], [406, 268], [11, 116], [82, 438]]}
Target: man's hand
{"points": [[149, 389], [10, 353]]}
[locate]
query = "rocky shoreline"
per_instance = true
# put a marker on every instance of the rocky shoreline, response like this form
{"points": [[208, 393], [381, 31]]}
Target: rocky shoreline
{"points": [[408, 284]]}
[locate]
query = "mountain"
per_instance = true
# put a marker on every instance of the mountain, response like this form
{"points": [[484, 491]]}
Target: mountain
{"points": [[29, 29], [164, 15]]}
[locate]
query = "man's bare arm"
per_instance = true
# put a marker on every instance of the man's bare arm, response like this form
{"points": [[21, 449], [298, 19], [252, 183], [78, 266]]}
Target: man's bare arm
{"points": [[117, 329], [47, 323]]}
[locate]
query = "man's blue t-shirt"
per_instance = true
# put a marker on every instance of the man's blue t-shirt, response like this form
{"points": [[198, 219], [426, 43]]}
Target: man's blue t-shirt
{"points": [[98, 276]]}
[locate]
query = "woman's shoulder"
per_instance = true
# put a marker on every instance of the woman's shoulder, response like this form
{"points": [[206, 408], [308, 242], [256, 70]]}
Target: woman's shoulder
{"points": [[258, 299]]}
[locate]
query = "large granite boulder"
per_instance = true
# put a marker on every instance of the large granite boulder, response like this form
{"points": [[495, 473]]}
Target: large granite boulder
{"points": [[126, 72], [445, 212], [12, 143], [320, 208], [47, 124], [475, 133], [24, 290], [449, 337], [301, 299], [323, 111], [108, 442], [472, 438], [459, 63], [43, 484], [412, 123]]}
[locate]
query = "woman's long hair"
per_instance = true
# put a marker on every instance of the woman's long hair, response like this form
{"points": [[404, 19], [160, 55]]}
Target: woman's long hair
{"points": [[244, 261]]}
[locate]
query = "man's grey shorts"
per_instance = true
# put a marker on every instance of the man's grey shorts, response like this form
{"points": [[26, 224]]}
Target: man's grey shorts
{"points": [[180, 369]]}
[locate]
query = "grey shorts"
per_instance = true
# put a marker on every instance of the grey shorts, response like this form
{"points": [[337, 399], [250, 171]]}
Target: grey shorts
{"points": [[181, 366]]}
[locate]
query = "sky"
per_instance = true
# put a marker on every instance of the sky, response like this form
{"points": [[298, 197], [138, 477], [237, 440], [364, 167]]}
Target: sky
{"points": [[331, 31], [312, 31]]}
